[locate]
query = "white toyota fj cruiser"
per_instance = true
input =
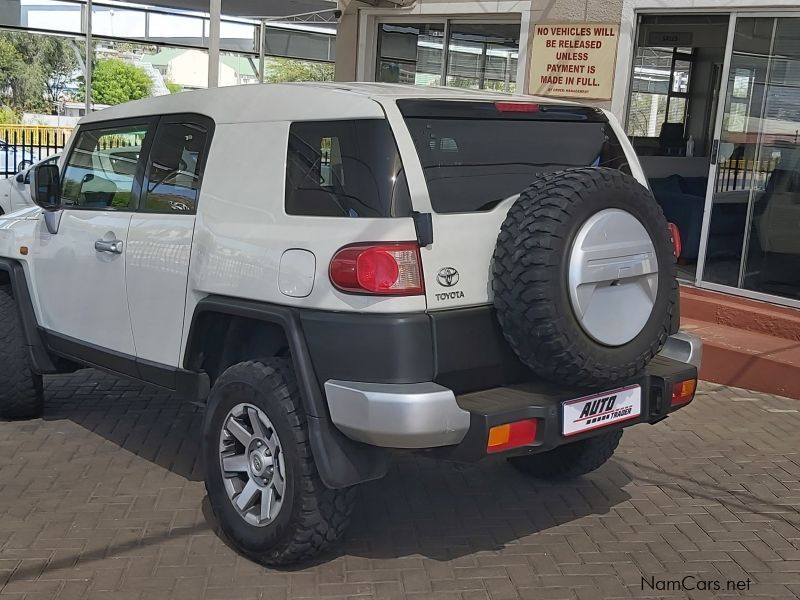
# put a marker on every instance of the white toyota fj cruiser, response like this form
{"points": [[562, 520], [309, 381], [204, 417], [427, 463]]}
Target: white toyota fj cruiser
{"points": [[341, 269]]}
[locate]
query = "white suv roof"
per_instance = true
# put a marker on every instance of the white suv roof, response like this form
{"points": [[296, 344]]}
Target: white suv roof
{"points": [[294, 101]]}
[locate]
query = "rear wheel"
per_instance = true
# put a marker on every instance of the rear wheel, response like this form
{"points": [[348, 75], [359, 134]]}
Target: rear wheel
{"points": [[571, 460], [261, 478], [21, 390]]}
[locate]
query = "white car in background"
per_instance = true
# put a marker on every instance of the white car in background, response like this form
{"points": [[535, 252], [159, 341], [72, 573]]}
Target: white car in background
{"points": [[15, 192], [13, 159]]}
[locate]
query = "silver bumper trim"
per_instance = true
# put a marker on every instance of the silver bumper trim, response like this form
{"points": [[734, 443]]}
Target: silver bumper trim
{"points": [[684, 347], [426, 415], [413, 415]]}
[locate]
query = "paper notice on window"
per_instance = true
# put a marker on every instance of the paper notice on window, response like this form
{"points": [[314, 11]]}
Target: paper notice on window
{"points": [[573, 60]]}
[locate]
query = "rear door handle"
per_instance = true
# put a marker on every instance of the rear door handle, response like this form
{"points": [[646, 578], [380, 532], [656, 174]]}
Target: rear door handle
{"points": [[112, 247]]}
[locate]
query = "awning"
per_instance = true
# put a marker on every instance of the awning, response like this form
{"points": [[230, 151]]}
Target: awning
{"points": [[251, 8]]}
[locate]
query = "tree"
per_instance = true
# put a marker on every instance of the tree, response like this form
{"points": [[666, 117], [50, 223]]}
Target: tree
{"points": [[286, 69], [35, 69], [115, 81], [21, 74], [59, 61], [8, 116]]}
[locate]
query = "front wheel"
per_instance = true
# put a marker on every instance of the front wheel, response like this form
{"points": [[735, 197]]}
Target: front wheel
{"points": [[21, 390], [570, 460], [261, 478]]}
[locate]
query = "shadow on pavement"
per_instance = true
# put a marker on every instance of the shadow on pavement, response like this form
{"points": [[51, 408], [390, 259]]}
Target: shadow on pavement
{"points": [[143, 420], [445, 510], [422, 507]]}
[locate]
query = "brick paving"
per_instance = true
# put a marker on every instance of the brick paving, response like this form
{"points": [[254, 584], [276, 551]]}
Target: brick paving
{"points": [[103, 499]]}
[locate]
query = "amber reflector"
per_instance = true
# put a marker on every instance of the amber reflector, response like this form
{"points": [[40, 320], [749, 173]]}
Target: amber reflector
{"points": [[683, 391], [511, 435]]}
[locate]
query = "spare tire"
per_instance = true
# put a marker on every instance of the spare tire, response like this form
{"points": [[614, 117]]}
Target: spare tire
{"points": [[584, 277]]}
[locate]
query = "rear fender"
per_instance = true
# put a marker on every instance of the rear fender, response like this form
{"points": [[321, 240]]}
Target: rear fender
{"points": [[341, 461]]}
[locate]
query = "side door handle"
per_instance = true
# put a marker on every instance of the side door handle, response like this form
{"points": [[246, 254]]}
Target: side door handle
{"points": [[112, 247]]}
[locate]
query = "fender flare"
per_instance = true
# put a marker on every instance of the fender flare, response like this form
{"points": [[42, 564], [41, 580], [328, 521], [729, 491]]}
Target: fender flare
{"points": [[41, 361], [341, 461]]}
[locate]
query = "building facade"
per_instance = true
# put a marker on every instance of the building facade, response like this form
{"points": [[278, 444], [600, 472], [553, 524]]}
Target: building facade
{"points": [[707, 90]]}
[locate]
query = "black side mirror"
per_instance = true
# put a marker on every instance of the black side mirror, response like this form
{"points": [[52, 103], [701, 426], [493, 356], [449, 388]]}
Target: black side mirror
{"points": [[46, 186], [20, 177]]}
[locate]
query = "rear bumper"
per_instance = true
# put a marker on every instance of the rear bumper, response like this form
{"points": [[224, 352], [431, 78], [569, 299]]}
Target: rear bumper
{"points": [[684, 347], [411, 415], [429, 415]]}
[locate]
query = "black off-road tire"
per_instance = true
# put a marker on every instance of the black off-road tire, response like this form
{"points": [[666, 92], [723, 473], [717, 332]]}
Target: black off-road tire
{"points": [[21, 390], [530, 277], [571, 460], [313, 516]]}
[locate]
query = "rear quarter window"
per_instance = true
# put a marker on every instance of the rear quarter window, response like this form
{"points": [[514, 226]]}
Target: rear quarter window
{"points": [[348, 168]]}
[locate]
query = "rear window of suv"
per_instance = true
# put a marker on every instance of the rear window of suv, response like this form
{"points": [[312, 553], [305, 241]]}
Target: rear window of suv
{"points": [[476, 154], [348, 168]]}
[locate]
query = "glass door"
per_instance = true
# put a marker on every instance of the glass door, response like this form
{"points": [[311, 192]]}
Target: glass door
{"points": [[753, 232]]}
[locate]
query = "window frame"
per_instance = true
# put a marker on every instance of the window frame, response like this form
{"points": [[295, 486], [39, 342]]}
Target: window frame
{"points": [[141, 178], [150, 123], [351, 120], [677, 54], [172, 119], [371, 66]]}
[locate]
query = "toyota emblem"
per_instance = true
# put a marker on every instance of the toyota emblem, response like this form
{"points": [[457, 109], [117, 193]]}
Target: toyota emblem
{"points": [[447, 277]]}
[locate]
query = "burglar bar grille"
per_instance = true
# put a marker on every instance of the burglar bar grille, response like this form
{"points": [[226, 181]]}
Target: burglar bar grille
{"points": [[20, 147]]}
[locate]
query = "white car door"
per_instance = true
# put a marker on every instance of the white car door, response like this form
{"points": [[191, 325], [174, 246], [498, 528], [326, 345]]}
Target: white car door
{"points": [[160, 240], [18, 191], [80, 270]]}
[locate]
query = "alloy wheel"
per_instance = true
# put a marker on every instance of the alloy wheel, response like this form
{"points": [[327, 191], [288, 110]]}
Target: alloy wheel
{"points": [[252, 464]]}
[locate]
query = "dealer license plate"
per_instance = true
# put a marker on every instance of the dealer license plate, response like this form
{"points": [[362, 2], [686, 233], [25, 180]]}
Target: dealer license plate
{"points": [[601, 410]]}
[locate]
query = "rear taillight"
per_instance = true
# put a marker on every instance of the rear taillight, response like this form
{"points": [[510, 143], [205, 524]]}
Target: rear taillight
{"points": [[516, 107], [675, 236], [683, 392], [391, 269]]}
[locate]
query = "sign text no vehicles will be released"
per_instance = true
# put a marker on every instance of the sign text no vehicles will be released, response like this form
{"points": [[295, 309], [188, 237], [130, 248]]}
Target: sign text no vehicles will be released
{"points": [[573, 60]]}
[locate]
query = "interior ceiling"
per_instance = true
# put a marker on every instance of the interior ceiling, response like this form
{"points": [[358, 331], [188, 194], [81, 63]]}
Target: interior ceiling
{"points": [[250, 8]]}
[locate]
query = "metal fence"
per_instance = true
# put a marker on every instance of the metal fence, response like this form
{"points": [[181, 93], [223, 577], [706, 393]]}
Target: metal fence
{"points": [[23, 145], [741, 174]]}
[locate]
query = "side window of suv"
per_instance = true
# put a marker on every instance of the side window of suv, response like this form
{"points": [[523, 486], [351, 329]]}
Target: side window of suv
{"points": [[101, 169], [175, 167], [345, 169]]}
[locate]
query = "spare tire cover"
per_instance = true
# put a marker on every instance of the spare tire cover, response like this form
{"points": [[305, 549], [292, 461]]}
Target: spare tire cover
{"points": [[584, 277]]}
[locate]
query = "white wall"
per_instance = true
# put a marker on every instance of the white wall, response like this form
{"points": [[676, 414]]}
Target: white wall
{"points": [[190, 70]]}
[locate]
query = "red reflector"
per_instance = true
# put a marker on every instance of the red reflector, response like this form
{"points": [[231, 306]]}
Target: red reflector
{"points": [[516, 107], [392, 269], [683, 392], [511, 435], [675, 236]]}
